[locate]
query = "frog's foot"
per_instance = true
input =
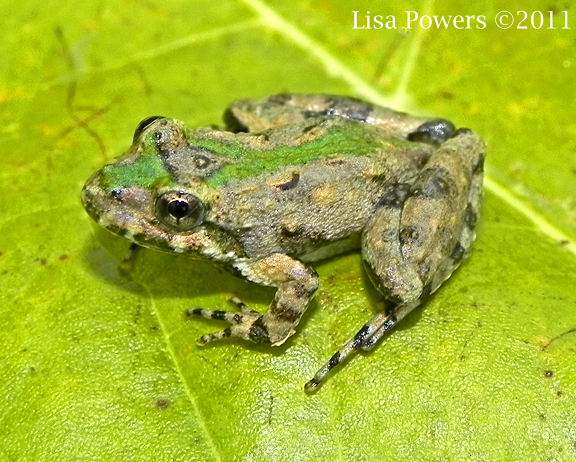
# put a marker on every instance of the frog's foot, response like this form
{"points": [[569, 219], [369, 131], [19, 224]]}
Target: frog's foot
{"points": [[126, 265], [365, 339], [245, 324]]}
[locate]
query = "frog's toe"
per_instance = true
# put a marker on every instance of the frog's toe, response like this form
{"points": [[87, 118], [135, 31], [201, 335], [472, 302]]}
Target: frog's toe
{"points": [[233, 318], [241, 305], [215, 336], [246, 324]]}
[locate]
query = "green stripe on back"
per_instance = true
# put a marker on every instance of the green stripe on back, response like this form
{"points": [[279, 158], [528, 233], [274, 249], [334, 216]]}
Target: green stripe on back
{"points": [[351, 138]]}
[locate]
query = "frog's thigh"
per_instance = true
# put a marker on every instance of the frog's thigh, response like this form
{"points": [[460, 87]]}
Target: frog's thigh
{"points": [[418, 236], [440, 210], [390, 273], [296, 283]]}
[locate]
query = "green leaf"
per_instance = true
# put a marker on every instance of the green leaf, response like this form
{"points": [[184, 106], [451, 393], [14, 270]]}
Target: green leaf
{"points": [[97, 365]]}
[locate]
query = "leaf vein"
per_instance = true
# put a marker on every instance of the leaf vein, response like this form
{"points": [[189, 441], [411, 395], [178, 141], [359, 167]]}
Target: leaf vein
{"points": [[332, 65], [160, 50], [189, 394], [539, 221]]}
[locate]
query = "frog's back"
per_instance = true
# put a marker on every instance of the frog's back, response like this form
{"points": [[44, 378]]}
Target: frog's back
{"points": [[312, 185]]}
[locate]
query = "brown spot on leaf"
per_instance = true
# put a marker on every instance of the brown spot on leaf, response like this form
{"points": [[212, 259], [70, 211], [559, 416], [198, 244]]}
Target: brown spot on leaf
{"points": [[162, 403]]}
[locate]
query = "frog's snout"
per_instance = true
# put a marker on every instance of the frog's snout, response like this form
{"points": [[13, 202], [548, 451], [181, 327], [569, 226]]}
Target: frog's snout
{"points": [[89, 197]]}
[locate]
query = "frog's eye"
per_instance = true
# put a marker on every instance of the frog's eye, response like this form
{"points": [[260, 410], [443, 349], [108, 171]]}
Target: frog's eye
{"points": [[179, 211], [143, 125]]}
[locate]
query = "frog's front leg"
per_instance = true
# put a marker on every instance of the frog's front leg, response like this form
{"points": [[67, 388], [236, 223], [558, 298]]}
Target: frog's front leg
{"points": [[296, 283]]}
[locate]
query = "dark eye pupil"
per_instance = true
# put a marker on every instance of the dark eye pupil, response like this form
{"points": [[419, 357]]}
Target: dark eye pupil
{"points": [[178, 208]]}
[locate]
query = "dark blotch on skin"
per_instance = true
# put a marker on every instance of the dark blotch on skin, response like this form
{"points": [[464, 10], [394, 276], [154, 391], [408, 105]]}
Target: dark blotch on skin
{"points": [[192, 312], [334, 360], [282, 98], [316, 114], [285, 313], [395, 197], [435, 131], [389, 324], [479, 167], [259, 331], [220, 315], [360, 336], [458, 252], [434, 183], [471, 217], [180, 161], [340, 107], [227, 332], [290, 184], [94, 212], [409, 235], [201, 161], [326, 112], [360, 113]]}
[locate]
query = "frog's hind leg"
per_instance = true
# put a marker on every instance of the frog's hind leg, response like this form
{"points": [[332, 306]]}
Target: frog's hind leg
{"points": [[365, 339], [418, 236], [394, 277], [261, 114]]}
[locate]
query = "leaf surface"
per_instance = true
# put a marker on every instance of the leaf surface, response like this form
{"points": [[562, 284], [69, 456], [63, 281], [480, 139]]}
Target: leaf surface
{"points": [[98, 365]]}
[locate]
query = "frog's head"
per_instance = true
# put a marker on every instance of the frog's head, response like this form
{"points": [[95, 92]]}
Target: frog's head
{"points": [[155, 194]]}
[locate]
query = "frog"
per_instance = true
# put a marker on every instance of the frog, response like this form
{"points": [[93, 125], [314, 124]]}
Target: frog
{"points": [[292, 179]]}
